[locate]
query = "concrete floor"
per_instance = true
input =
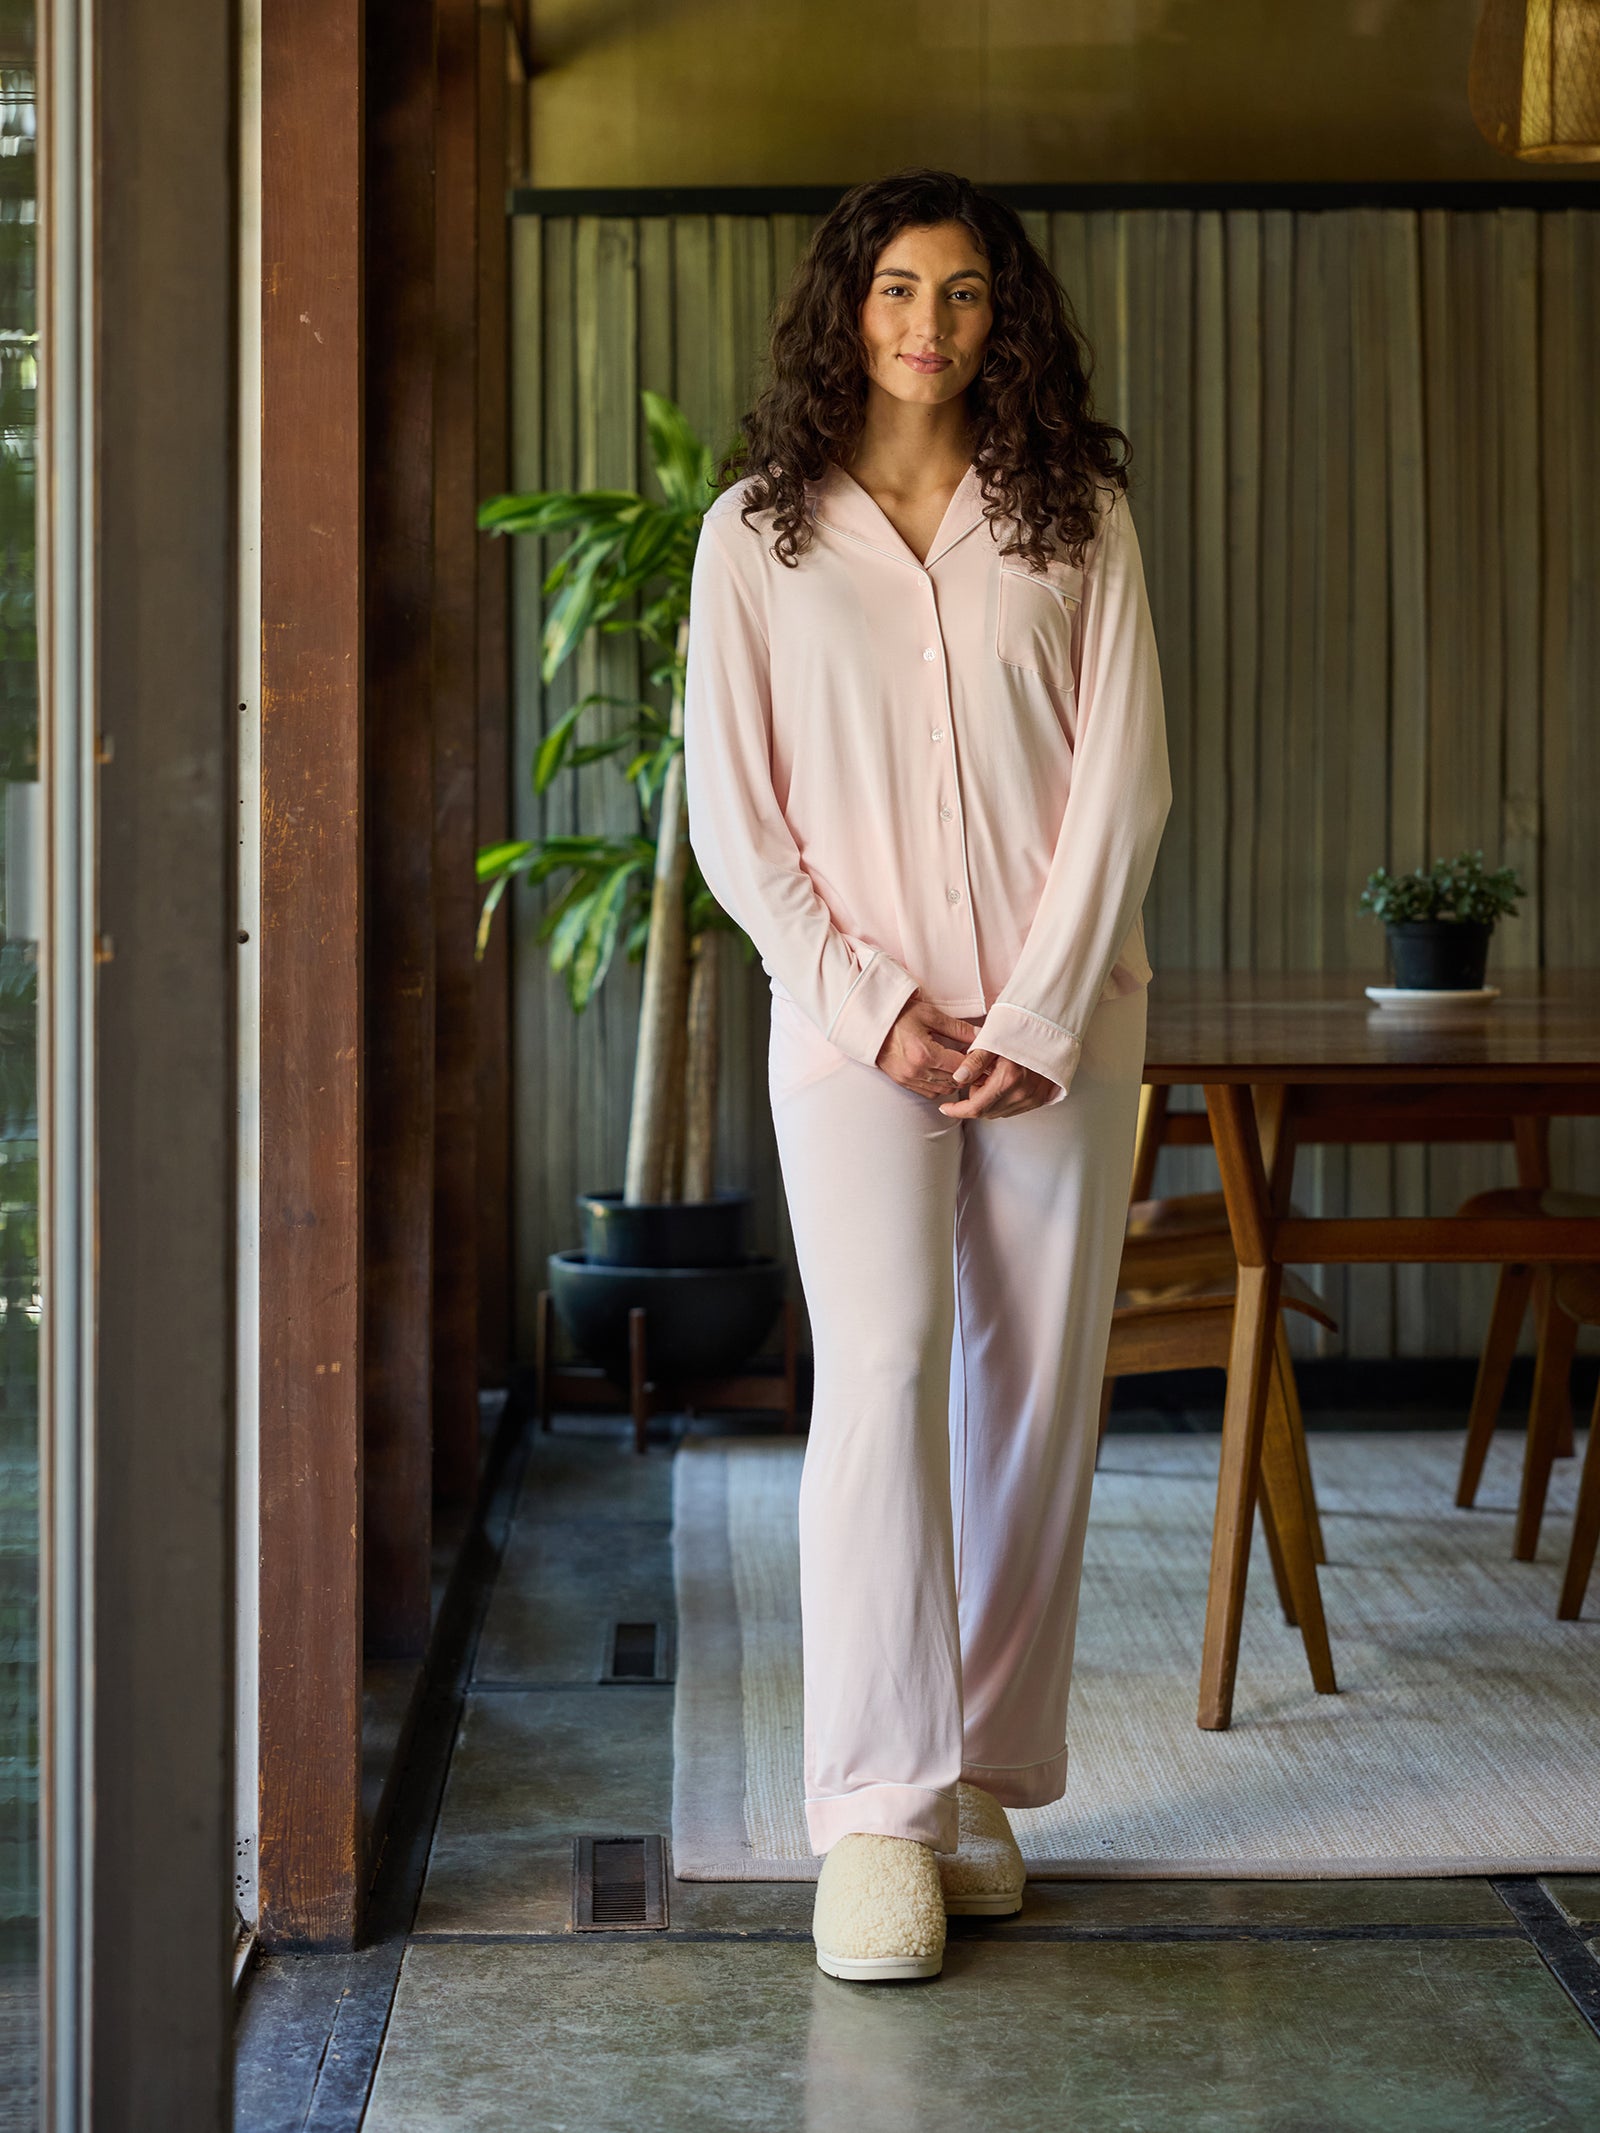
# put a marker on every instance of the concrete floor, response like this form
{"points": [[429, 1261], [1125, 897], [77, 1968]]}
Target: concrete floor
{"points": [[1123, 2007]]}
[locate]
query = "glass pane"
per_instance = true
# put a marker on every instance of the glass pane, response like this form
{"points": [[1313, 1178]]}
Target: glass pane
{"points": [[20, 855]]}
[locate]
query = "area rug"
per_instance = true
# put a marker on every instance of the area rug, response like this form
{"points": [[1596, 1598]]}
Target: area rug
{"points": [[1465, 1738]]}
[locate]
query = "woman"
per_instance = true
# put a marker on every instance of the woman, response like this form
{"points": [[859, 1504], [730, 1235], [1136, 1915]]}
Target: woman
{"points": [[927, 773]]}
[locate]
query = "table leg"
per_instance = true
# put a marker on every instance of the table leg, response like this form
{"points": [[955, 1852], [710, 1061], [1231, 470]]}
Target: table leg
{"points": [[1250, 1360]]}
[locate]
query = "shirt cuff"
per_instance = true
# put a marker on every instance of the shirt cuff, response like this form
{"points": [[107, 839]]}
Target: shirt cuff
{"points": [[870, 1009], [1028, 1040]]}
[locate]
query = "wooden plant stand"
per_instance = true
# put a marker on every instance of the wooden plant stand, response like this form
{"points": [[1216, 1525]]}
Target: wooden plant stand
{"points": [[765, 1391]]}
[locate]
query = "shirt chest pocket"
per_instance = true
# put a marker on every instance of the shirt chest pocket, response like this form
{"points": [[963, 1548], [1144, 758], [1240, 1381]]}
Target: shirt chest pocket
{"points": [[1034, 616]]}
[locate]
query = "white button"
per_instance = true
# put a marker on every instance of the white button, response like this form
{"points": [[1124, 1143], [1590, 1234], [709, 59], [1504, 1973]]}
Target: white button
{"points": [[954, 895], [937, 733], [930, 653], [945, 813]]}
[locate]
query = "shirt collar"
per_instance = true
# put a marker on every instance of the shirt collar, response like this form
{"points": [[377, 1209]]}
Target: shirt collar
{"points": [[843, 504]]}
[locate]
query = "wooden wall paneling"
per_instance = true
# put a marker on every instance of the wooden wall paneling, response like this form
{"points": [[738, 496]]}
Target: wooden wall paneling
{"points": [[1476, 801], [1069, 259], [1305, 702], [1168, 566], [1515, 377], [399, 1004], [606, 318], [1369, 1291], [313, 912], [455, 754], [1452, 582], [1036, 221], [1408, 656], [1242, 520], [492, 1011], [1572, 646], [1308, 430], [1269, 829], [791, 234], [544, 1039], [1209, 760], [1329, 1167]]}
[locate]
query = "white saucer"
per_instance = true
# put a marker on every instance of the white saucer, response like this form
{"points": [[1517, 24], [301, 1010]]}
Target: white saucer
{"points": [[1415, 996]]}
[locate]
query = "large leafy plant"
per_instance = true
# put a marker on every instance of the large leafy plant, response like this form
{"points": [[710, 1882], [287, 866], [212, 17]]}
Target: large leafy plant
{"points": [[628, 568]]}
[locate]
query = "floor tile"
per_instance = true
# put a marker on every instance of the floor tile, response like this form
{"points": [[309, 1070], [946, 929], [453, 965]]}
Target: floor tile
{"points": [[591, 1471], [1387, 2037], [1262, 1903], [1578, 1895], [561, 1587], [533, 1769]]}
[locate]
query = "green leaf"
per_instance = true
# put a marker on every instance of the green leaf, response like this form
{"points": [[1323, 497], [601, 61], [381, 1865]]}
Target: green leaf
{"points": [[595, 951], [553, 748], [553, 510], [677, 454], [501, 859], [491, 904]]}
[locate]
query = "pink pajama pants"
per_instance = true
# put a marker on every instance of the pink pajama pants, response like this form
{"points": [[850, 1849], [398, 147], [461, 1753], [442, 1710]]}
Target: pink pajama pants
{"points": [[960, 1280]]}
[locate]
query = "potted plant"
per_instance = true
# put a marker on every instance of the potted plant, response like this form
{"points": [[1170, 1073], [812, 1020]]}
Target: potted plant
{"points": [[1438, 919], [668, 1240]]}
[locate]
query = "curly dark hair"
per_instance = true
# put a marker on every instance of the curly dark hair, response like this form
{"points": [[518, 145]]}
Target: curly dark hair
{"points": [[1038, 447]]}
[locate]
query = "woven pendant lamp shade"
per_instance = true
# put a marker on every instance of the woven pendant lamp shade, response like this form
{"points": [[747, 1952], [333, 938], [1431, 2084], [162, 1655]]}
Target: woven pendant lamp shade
{"points": [[1534, 82]]}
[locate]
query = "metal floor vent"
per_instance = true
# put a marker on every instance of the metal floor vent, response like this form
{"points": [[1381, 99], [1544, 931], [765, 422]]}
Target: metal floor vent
{"points": [[638, 1651], [619, 1884]]}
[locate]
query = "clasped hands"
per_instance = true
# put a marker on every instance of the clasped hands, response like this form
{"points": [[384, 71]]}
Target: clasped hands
{"points": [[932, 1055]]}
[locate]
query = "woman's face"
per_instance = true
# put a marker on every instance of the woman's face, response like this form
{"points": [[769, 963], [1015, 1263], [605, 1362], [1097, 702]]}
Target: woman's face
{"points": [[927, 315]]}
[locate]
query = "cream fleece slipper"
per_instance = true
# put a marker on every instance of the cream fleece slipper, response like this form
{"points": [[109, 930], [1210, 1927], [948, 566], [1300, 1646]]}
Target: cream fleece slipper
{"points": [[984, 1878], [880, 1911]]}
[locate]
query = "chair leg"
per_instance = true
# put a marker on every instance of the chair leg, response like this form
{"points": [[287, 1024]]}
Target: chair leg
{"points": [[1107, 1387], [1302, 1455], [1585, 1528], [1281, 1486], [1511, 1292], [1274, 1541], [1552, 1373]]}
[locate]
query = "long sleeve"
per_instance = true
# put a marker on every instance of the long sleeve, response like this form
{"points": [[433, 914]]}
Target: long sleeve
{"points": [[851, 990], [1111, 827]]}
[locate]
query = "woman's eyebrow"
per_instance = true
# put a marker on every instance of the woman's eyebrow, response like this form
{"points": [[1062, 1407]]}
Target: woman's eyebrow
{"points": [[909, 274]]}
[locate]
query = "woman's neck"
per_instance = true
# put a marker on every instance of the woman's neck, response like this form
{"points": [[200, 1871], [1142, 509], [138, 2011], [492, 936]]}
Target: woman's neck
{"points": [[907, 451]]}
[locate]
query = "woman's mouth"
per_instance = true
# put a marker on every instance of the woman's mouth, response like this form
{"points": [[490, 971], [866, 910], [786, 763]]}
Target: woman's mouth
{"points": [[927, 364]]}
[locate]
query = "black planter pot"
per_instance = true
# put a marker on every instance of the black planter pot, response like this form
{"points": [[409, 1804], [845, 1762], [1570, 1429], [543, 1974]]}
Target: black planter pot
{"points": [[663, 1233], [1439, 954], [699, 1321]]}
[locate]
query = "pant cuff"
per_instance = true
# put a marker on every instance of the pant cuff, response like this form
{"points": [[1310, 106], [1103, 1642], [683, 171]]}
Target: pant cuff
{"points": [[1033, 1785], [914, 1811]]}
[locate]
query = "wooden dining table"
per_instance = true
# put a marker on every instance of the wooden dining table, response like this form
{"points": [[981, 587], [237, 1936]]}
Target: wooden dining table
{"points": [[1289, 1060]]}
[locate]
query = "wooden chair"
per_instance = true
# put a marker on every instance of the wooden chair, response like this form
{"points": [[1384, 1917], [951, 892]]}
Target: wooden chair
{"points": [[1550, 1408], [1189, 1326], [1184, 1239], [1577, 1298], [1174, 1311]]}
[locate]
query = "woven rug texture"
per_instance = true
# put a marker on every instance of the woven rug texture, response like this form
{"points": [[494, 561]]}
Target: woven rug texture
{"points": [[1465, 1738]]}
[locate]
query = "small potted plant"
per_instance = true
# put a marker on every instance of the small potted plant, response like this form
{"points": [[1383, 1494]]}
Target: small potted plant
{"points": [[1438, 919], [669, 1241]]}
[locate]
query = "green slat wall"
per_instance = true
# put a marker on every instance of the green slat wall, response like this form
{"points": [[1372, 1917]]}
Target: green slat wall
{"points": [[1367, 453]]}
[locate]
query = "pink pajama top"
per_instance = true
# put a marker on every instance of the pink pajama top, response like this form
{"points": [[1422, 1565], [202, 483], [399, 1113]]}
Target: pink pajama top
{"points": [[946, 776]]}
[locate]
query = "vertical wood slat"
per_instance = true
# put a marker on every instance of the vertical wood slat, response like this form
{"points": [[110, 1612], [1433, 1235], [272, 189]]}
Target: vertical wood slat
{"points": [[455, 753], [492, 997], [313, 913], [1310, 576], [400, 965]]}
